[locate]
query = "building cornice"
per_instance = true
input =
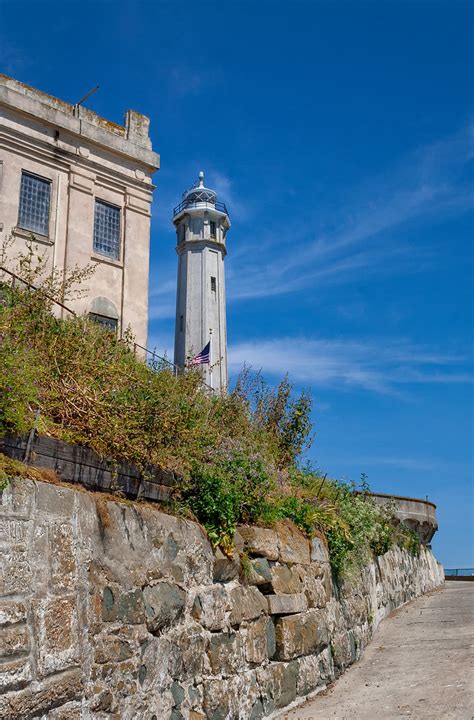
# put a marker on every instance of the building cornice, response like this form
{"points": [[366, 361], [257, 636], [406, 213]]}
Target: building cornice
{"points": [[78, 122], [200, 244], [54, 156]]}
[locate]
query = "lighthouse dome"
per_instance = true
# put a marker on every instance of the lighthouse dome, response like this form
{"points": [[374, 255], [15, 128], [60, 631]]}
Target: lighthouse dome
{"points": [[199, 196]]}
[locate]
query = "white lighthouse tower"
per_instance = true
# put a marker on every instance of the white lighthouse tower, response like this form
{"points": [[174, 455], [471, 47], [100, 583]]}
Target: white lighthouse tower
{"points": [[201, 224]]}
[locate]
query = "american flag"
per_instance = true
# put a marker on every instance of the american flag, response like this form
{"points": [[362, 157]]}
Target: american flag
{"points": [[203, 357]]}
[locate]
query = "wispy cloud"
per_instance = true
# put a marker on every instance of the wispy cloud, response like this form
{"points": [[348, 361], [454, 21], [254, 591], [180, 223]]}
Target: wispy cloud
{"points": [[366, 236], [382, 366], [224, 186], [403, 463]]}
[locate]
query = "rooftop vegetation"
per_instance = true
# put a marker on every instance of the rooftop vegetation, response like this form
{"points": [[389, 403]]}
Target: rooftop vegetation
{"points": [[238, 455]]}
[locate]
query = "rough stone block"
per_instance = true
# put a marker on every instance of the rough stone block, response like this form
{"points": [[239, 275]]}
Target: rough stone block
{"points": [[109, 606], [53, 692], [226, 568], [287, 580], [14, 640], [68, 711], [316, 592], [63, 562], [12, 611], [293, 545], [343, 649], [16, 499], [13, 530], [319, 549], [188, 652], [131, 609], [277, 683], [225, 653], [164, 603], [259, 541], [232, 698], [177, 692], [260, 640], [15, 674], [309, 674], [210, 607], [58, 646], [220, 698], [287, 604], [55, 500], [15, 571], [248, 603], [260, 573], [301, 634], [111, 649]]}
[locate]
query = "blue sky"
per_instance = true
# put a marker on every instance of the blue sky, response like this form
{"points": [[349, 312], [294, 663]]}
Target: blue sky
{"points": [[340, 136]]}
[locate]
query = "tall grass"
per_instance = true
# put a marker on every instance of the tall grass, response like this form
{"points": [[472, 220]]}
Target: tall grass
{"points": [[237, 454]]}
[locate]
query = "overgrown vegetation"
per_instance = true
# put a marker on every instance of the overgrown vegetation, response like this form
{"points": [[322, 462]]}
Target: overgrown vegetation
{"points": [[238, 455]]}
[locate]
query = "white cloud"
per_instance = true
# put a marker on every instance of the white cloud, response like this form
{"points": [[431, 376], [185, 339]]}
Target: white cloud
{"points": [[226, 193], [382, 366], [367, 238]]}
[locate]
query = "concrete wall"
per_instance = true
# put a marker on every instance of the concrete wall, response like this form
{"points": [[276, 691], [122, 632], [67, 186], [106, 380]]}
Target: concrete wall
{"points": [[85, 158], [112, 610], [419, 515]]}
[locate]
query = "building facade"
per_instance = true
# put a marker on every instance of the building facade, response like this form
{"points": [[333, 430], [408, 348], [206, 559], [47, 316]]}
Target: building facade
{"points": [[201, 223], [82, 185]]}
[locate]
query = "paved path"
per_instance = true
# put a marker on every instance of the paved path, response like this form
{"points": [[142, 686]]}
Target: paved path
{"points": [[419, 665]]}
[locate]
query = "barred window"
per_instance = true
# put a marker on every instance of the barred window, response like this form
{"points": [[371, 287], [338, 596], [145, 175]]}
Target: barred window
{"points": [[33, 213], [107, 229], [106, 323], [213, 284]]}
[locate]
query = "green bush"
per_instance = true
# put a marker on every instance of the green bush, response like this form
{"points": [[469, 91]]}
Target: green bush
{"points": [[232, 488], [237, 454]]}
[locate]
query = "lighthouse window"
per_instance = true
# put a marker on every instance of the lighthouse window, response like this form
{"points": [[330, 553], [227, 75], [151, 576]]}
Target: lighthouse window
{"points": [[212, 226], [181, 323], [213, 284]]}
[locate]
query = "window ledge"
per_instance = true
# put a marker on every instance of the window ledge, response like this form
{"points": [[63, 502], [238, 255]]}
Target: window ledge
{"points": [[30, 235], [95, 257]]}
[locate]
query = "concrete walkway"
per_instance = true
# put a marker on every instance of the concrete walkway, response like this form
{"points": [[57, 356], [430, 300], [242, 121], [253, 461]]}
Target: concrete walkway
{"points": [[419, 665]]}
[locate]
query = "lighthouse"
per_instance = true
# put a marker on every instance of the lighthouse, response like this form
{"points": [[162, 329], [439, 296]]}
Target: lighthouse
{"points": [[201, 223]]}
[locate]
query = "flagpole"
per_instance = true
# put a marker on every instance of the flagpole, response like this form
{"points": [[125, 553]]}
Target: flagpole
{"points": [[210, 358]]}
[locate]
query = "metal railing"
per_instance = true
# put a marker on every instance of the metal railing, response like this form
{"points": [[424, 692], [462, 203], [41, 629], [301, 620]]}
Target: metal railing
{"points": [[156, 359], [17, 279], [152, 359], [217, 205]]}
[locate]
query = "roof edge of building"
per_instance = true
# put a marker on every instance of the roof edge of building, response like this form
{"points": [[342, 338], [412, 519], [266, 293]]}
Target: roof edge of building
{"points": [[131, 139]]}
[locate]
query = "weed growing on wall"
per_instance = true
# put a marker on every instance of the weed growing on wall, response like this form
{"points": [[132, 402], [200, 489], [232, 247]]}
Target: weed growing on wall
{"points": [[237, 455]]}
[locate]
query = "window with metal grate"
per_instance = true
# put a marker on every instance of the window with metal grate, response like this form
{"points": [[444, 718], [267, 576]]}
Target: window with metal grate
{"points": [[107, 323], [33, 213], [107, 229]]}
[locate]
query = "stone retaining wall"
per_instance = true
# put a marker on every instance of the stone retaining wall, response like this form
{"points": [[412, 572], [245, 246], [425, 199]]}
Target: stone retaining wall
{"points": [[109, 610]]}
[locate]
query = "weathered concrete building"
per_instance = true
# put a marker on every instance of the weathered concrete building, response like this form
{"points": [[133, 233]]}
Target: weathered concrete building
{"points": [[83, 186], [201, 223]]}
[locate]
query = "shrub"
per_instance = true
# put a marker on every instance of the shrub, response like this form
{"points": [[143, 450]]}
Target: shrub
{"points": [[237, 455]]}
